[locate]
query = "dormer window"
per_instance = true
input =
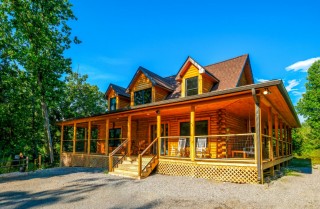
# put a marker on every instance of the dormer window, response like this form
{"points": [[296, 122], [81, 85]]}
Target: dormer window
{"points": [[142, 96], [192, 86], [113, 104]]}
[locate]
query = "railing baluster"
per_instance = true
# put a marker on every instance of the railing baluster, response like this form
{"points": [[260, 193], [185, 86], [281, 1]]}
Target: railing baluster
{"points": [[141, 168], [111, 165]]}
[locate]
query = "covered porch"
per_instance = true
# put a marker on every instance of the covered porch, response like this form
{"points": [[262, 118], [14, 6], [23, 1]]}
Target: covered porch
{"points": [[229, 137]]}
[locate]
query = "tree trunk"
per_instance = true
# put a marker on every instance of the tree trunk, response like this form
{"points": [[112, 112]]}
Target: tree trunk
{"points": [[47, 127]]}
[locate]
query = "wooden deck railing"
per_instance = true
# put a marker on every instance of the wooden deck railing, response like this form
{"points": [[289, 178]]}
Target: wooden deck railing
{"points": [[220, 146], [152, 151], [122, 147]]}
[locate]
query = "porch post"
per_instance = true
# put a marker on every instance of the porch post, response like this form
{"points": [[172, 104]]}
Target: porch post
{"points": [[286, 139], [192, 133], [281, 137], [270, 134], [61, 143], [106, 145], [290, 140], [61, 138], [89, 137], [129, 135], [258, 143], [270, 139], [159, 133], [74, 138], [276, 131]]}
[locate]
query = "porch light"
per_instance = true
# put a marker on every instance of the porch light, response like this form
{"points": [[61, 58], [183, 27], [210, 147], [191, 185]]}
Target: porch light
{"points": [[266, 91]]}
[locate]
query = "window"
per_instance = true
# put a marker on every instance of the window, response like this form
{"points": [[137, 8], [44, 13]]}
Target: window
{"points": [[142, 97], [192, 86], [113, 104], [201, 128]]}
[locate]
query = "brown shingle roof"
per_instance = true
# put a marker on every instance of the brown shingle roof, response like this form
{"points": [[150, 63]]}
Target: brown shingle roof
{"points": [[228, 72], [118, 89], [154, 78]]}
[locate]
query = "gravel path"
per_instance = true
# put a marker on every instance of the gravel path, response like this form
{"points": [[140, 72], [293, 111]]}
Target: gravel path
{"points": [[92, 188]]}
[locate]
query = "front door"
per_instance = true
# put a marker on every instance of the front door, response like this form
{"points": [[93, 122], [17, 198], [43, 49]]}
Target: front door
{"points": [[153, 135]]}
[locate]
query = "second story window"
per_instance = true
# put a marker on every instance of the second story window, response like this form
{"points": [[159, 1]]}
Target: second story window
{"points": [[192, 86], [113, 104], [142, 96]]}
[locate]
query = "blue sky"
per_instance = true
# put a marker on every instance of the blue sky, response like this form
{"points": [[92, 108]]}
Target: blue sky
{"points": [[281, 37]]}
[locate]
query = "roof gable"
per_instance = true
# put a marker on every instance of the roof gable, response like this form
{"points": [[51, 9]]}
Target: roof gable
{"points": [[201, 69], [120, 91], [155, 79], [246, 74]]}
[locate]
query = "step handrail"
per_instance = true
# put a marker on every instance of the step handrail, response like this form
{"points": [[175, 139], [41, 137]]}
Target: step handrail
{"points": [[140, 169], [111, 165]]}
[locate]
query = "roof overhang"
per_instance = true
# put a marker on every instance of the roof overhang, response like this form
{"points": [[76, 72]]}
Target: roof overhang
{"points": [[278, 96]]}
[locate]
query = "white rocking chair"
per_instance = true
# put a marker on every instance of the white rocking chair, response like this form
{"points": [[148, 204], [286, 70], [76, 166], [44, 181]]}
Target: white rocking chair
{"points": [[181, 147], [201, 147]]}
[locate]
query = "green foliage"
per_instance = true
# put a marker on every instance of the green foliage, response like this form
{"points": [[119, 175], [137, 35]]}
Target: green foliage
{"points": [[34, 35], [80, 98], [309, 105], [302, 139]]}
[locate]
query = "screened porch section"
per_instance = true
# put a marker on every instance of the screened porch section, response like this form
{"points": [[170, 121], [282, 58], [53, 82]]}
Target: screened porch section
{"points": [[82, 138]]}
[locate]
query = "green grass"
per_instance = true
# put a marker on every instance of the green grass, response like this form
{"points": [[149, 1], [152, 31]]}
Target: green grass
{"points": [[290, 172]]}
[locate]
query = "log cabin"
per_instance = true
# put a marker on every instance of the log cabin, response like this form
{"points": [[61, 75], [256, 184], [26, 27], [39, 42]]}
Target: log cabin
{"points": [[208, 122]]}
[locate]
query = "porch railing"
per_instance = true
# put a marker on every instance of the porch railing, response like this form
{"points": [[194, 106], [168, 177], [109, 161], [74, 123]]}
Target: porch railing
{"points": [[274, 144], [97, 146], [147, 156], [224, 146], [67, 145], [171, 146], [266, 142], [119, 153]]}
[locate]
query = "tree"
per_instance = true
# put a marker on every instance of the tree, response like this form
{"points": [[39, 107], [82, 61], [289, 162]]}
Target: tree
{"points": [[19, 113], [34, 35], [80, 98], [309, 104], [302, 139]]}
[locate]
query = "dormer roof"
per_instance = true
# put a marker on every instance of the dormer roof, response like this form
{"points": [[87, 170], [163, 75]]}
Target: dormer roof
{"points": [[155, 79], [118, 90], [189, 61]]}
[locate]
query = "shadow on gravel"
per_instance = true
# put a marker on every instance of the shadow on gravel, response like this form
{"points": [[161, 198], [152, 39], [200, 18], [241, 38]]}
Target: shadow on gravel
{"points": [[149, 205], [46, 173], [301, 165], [22, 199]]}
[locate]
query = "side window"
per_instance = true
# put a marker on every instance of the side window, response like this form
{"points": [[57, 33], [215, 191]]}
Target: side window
{"points": [[113, 104], [192, 86]]}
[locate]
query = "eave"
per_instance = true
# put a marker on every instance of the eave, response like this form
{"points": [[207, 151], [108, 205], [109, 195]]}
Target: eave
{"points": [[193, 100]]}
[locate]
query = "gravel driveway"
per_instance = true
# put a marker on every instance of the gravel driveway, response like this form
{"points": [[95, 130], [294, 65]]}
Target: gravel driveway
{"points": [[92, 188]]}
